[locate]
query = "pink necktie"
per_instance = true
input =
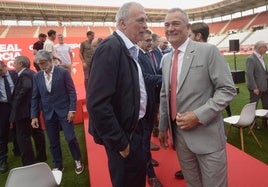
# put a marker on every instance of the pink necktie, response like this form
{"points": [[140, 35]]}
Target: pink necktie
{"points": [[173, 84]]}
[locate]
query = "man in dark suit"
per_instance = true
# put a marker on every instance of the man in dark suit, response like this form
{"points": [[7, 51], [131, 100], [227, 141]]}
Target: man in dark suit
{"points": [[5, 109], [54, 87], [21, 106], [156, 56], [151, 81], [116, 98], [20, 112], [156, 53], [257, 76]]}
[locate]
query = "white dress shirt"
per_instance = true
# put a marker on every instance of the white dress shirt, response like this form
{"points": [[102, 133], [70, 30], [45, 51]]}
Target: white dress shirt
{"points": [[48, 79], [134, 51]]}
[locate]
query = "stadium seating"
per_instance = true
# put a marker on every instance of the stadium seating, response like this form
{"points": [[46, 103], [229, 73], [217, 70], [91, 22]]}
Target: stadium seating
{"points": [[247, 30], [21, 32], [76, 31]]}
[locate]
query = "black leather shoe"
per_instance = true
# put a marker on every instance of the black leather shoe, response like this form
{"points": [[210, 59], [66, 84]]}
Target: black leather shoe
{"points": [[154, 163], [3, 167], [179, 175], [154, 182]]}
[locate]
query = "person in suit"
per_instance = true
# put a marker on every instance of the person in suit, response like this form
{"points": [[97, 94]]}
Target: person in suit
{"points": [[156, 56], [20, 112], [257, 75], [196, 86], [54, 87], [5, 108], [151, 81], [163, 45], [117, 99], [156, 53], [199, 32]]}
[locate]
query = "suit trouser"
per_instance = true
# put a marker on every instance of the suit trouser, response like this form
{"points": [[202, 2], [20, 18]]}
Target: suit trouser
{"points": [[148, 128], [40, 143], [263, 96], [53, 132], [5, 109], [23, 134], [201, 170], [129, 171]]}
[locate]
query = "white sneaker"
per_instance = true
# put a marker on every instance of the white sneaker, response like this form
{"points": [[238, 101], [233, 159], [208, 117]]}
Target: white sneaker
{"points": [[79, 167], [59, 169]]}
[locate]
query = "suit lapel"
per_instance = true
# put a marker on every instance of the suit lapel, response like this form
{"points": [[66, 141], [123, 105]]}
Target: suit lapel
{"points": [[258, 62], [168, 63], [187, 61], [55, 75]]}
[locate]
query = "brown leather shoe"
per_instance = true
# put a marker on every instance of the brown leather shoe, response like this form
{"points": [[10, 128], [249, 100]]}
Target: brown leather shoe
{"points": [[154, 147], [154, 182]]}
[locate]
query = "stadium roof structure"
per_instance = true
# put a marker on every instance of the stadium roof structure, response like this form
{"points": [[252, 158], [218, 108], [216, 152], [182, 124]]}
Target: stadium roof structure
{"points": [[18, 10]]}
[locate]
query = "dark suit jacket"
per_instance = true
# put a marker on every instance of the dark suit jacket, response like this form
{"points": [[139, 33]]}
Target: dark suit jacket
{"points": [[158, 56], [14, 77], [22, 94], [152, 80], [60, 100], [113, 94]]}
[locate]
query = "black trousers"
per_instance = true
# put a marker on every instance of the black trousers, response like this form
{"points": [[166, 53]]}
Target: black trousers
{"points": [[5, 109], [23, 133], [263, 96], [40, 143], [129, 171]]}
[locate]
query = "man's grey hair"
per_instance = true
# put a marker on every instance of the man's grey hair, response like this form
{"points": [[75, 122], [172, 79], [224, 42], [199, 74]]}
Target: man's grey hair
{"points": [[24, 60], [259, 44], [184, 14], [123, 12], [43, 55]]}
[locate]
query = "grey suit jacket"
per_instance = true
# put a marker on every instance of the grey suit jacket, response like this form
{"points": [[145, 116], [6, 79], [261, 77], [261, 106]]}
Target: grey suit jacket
{"points": [[256, 75], [205, 87]]}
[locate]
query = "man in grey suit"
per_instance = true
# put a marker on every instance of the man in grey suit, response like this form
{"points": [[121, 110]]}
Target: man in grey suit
{"points": [[256, 72], [204, 87]]}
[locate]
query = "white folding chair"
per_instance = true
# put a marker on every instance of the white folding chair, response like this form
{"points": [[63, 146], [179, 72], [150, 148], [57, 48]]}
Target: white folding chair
{"points": [[246, 119], [35, 175], [262, 114]]}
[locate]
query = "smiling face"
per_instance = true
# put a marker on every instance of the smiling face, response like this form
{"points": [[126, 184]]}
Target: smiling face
{"points": [[135, 24], [176, 28]]}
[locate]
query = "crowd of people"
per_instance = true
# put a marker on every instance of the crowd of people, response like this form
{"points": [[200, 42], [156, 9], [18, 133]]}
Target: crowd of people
{"points": [[138, 85]]}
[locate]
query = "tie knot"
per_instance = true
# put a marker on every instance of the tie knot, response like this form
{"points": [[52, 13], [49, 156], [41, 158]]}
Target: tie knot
{"points": [[176, 52]]}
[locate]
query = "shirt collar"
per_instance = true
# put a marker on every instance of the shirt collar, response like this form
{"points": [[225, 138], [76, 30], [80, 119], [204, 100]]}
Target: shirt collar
{"points": [[258, 55], [20, 72], [127, 41], [142, 50], [182, 47], [51, 72]]}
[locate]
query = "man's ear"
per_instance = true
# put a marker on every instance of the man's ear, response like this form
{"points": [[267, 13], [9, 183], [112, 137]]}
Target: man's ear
{"points": [[198, 37], [122, 24]]}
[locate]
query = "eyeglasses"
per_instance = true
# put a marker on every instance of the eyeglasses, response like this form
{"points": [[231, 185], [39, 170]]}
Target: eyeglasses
{"points": [[148, 40]]}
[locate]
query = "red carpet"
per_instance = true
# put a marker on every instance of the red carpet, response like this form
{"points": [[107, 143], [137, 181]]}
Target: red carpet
{"points": [[243, 170]]}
